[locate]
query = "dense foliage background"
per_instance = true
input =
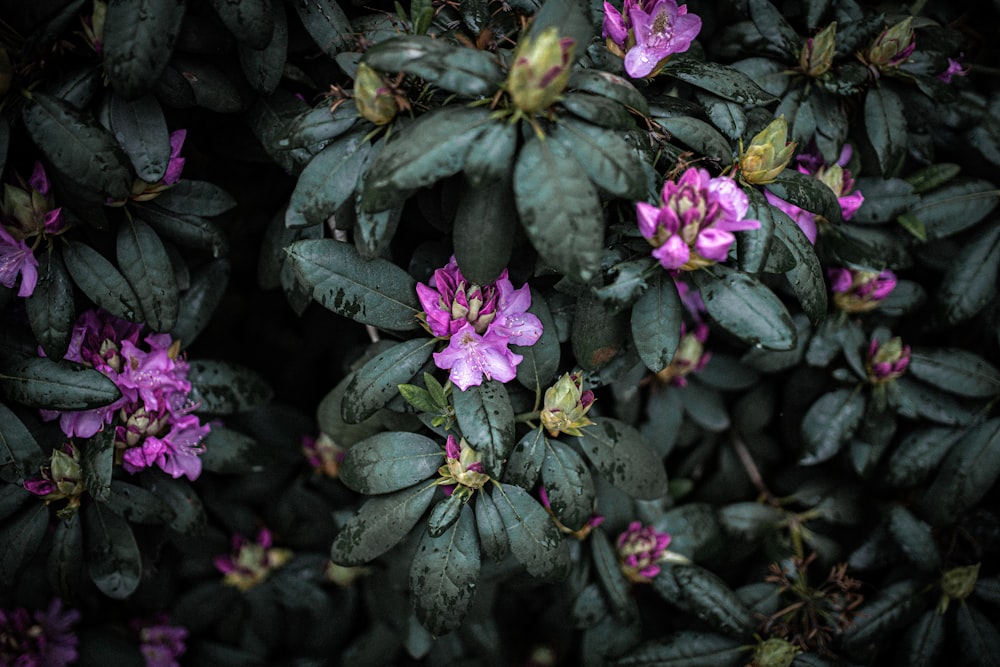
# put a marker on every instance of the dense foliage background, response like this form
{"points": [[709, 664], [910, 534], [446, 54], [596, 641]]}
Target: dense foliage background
{"points": [[501, 333]]}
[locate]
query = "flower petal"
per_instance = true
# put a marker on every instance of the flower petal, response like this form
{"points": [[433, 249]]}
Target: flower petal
{"points": [[673, 254]]}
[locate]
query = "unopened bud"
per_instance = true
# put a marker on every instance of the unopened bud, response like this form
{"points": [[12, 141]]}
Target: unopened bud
{"points": [[372, 96], [540, 71], [817, 53], [767, 155]]}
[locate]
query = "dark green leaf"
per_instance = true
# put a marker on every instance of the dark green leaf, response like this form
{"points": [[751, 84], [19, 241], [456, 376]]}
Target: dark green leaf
{"points": [[375, 292], [699, 135], [915, 539], [328, 181], [559, 208], [461, 70], [310, 131], [12, 496], [20, 537], [725, 115], [492, 157], [146, 266], [570, 17], [915, 398], [727, 373], [885, 198], [373, 231], [807, 276], [704, 594], [970, 282], [932, 176], [969, 470], [656, 323], [598, 334], [445, 513], [956, 207], [137, 505], [807, 192], [113, 558], [885, 125], [189, 197], [141, 131], [483, 232], [76, 145], [492, 535], [978, 636], [919, 454], [745, 307], [380, 524], [829, 423], [326, 23], [534, 538], [97, 463], [686, 649], [388, 462], [225, 388], [568, 485], [605, 156], [188, 511], [893, 607], [622, 455], [199, 301], [212, 87], [922, 643], [722, 80], [598, 111], [65, 556], [589, 607], [51, 310], [377, 382], [541, 360], [101, 281], [250, 21], [264, 67], [754, 246], [444, 574], [230, 452], [426, 151], [609, 573], [610, 86], [55, 385], [629, 281], [486, 419], [748, 522], [139, 39], [525, 463], [192, 231], [956, 371], [775, 29]]}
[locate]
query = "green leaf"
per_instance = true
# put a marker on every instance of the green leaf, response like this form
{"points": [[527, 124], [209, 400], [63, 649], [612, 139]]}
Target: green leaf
{"points": [[147, 268], [426, 151], [922, 643], [445, 513], [13, 496], [699, 135], [559, 208], [571, 17], [807, 192], [915, 539], [97, 463], [20, 538], [978, 636], [704, 594], [568, 485], [885, 198], [956, 371], [807, 277], [141, 131], [419, 398], [137, 505], [484, 228], [328, 181], [375, 292], [956, 207], [609, 573], [312, 130], [489, 524], [541, 360], [486, 419], [229, 452], [745, 307], [598, 111], [891, 608], [65, 556], [377, 382], [728, 116], [932, 176], [373, 231], [388, 462], [199, 301], [610, 86], [265, 67], [380, 524], [249, 21], [970, 282], [212, 87], [885, 125], [686, 649], [606, 157], [101, 281], [534, 538], [829, 423], [188, 511], [493, 156], [622, 455], [919, 454], [55, 385], [629, 281], [754, 246], [525, 462], [114, 562], [191, 231], [139, 38], [468, 72], [76, 145], [225, 388], [968, 472], [656, 323], [915, 398], [444, 574], [598, 335], [51, 309], [774, 28], [722, 80], [327, 24]]}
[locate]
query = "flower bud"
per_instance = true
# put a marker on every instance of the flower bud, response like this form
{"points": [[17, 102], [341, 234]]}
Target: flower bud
{"points": [[324, 455], [857, 291], [61, 479], [689, 357], [775, 652], [640, 549], [887, 362], [566, 406], [372, 96], [767, 155], [816, 56], [957, 584], [251, 562], [463, 466], [893, 46], [540, 71]]}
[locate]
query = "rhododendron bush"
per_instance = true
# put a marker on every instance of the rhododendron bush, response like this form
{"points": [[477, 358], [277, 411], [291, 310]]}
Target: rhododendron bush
{"points": [[499, 332]]}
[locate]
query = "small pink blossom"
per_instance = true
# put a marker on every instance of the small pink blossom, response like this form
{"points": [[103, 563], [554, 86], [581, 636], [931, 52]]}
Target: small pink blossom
{"points": [[954, 69], [16, 259], [856, 291], [647, 32], [640, 550], [471, 357]]}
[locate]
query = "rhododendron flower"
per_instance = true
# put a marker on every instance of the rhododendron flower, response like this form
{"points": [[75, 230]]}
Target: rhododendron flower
{"points": [[694, 226], [42, 639], [566, 405], [892, 47], [160, 643], [471, 357], [640, 550], [16, 259], [856, 291], [887, 362], [61, 479], [176, 163], [647, 32], [250, 563], [323, 454], [463, 468], [835, 177]]}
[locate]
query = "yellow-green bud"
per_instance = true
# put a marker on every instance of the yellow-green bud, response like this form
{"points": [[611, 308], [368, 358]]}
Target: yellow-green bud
{"points": [[540, 71], [892, 46], [767, 155], [372, 96], [957, 584], [774, 652], [817, 53], [566, 406]]}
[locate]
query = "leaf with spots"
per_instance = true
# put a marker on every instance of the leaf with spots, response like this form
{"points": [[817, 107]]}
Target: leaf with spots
{"points": [[377, 382], [113, 558], [139, 38], [146, 266], [486, 419], [380, 524], [534, 538], [624, 457], [225, 388], [568, 485], [391, 461], [101, 281]]}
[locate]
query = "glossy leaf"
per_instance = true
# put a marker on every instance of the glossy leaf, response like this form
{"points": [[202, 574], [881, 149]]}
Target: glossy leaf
{"points": [[956, 207], [921, 645], [806, 278], [978, 635], [970, 282], [146, 266], [686, 648], [136, 504], [101, 281], [380, 524], [51, 308], [622, 455], [489, 524], [829, 423], [189, 197], [919, 454], [609, 85], [525, 463], [885, 125], [20, 538], [444, 514], [775, 29], [55, 385], [893, 607], [915, 398], [265, 66], [656, 323], [807, 192], [458, 69], [113, 558], [568, 485], [486, 419], [199, 302], [139, 38], [722, 80], [483, 232], [704, 594], [444, 573], [969, 470], [915, 539], [189, 516], [191, 231], [598, 334], [250, 21], [97, 464], [229, 452], [534, 539], [327, 24], [609, 573], [605, 156], [328, 181], [956, 371], [598, 111], [885, 198], [375, 292], [377, 382], [141, 131], [225, 388], [492, 157], [699, 135], [559, 208], [388, 462], [64, 558], [754, 246]]}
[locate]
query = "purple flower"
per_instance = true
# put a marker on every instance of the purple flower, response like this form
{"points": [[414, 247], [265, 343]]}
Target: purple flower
{"points": [[176, 163], [640, 549], [251, 562], [690, 356], [42, 639], [856, 291], [450, 302], [887, 362], [954, 69], [470, 357], [648, 32], [16, 259], [693, 226], [160, 643]]}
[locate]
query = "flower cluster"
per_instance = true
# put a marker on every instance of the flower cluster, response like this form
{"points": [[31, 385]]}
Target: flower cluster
{"points": [[566, 406], [479, 323], [694, 226], [154, 422], [835, 177], [647, 32], [61, 479], [856, 291], [42, 639], [463, 469], [160, 643], [640, 550], [250, 563], [27, 212], [887, 362]]}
